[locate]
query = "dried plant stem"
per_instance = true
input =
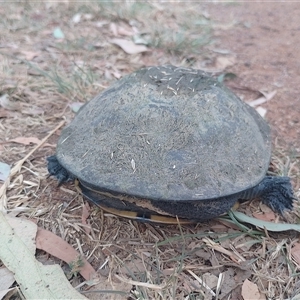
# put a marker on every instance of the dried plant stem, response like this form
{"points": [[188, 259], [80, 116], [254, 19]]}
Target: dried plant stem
{"points": [[16, 169]]}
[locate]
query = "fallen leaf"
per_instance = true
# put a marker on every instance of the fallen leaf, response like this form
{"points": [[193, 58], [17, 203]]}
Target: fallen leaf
{"points": [[25, 229], [135, 266], [58, 34], [76, 18], [129, 46], [224, 26], [26, 140], [113, 28], [34, 72], [228, 283], [141, 39], [117, 75], [4, 171], [250, 291], [7, 279], [228, 223], [35, 280], [210, 280], [271, 226], [6, 293], [3, 113], [59, 248], [221, 51], [124, 31], [34, 110], [296, 252], [30, 55], [261, 100], [101, 24], [121, 290], [296, 297], [264, 208], [88, 17], [269, 216], [7, 104], [217, 227], [224, 62], [262, 111], [75, 106]]}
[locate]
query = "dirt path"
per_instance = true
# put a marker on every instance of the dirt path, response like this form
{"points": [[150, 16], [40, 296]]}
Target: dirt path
{"points": [[265, 38]]}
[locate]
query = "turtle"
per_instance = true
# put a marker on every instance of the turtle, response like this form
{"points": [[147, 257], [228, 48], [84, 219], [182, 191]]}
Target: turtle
{"points": [[167, 144]]}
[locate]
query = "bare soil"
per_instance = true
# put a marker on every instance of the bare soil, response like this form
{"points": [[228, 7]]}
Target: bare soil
{"points": [[265, 37]]}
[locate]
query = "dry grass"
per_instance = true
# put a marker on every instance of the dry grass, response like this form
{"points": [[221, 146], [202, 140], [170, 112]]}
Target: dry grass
{"points": [[42, 75]]}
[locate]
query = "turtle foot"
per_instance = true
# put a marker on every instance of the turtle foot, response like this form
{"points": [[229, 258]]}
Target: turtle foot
{"points": [[277, 193], [57, 170]]}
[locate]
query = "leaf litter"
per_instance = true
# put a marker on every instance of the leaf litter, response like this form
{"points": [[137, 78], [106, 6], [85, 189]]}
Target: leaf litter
{"points": [[129, 46], [18, 235], [132, 259]]}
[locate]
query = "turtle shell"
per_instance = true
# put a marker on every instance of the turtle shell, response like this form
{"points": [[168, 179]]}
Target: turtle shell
{"points": [[167, 133]]}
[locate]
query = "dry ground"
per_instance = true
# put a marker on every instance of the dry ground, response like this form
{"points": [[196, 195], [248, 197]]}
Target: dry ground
{"points": [[55, 56]]}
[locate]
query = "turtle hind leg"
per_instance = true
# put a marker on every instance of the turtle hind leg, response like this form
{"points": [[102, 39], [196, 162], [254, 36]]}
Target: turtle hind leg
{"points": [[57, 170], [274, 191]]}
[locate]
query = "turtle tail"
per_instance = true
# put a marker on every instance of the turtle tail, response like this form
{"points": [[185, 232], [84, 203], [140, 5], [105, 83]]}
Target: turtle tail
{"points": [[58, 171], [274, 191]]}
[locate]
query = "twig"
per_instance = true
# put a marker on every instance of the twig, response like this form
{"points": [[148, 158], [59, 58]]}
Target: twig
{"points": [[16, 169]]}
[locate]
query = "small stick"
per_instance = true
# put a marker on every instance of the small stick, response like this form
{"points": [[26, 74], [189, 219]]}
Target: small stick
{"points": [[16, 169]]}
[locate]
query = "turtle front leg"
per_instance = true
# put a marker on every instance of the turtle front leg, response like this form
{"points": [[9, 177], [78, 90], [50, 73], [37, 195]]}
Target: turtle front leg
{"points": [[57, 170]]}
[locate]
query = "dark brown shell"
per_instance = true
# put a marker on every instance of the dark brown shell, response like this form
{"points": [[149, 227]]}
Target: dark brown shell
{"points": [[167, 133]]}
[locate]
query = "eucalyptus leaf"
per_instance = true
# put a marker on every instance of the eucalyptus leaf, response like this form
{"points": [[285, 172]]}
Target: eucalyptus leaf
{"points": [[17, 251], [276, 227]]}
